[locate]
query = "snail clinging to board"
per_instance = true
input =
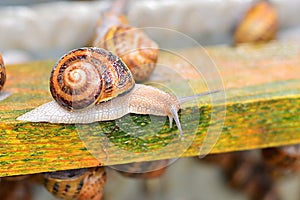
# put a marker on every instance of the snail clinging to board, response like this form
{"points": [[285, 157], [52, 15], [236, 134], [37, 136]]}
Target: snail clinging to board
{"points": [[91, 84]]}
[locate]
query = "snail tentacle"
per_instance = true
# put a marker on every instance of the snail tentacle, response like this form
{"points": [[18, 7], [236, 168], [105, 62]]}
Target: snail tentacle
{"points": [[174, 116]]}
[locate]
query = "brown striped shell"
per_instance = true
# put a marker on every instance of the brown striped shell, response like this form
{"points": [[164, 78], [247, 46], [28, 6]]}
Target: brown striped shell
{"points": [[150, 169], [87, 76], [260, 24], [134, 47], [81, 184], [131, 44], [2, 73]]}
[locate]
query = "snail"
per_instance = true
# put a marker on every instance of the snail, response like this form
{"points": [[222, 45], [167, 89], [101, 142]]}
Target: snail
{"points": [[16, 189], [131, 44], [3, 94], [79, 99], [260, 24], [245, 172], [283, 160], [150, 169], [79, 184], [2, 73]]}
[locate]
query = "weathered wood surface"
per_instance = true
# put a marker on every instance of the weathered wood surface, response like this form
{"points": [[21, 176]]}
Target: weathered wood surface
{"points": [[262, 86]]}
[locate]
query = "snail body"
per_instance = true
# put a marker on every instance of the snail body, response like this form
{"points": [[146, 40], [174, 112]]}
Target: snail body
{"points": [[260, 24], [131, 44], [80, 184], [141, 99]]}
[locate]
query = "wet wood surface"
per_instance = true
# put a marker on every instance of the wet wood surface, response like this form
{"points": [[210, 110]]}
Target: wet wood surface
{"points": [[262, 88]]}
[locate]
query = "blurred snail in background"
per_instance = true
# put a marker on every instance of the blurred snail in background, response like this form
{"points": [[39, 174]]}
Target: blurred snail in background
{"points": [[131, 44], [16, 188], [150, 169], [282, 160], [79, 184], [243, 171], [260, 24], [2, 73]]}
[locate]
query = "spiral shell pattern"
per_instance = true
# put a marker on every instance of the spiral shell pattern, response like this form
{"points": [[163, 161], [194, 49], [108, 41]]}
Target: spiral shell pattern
{"points": [[88, 76], [134, 47], [2, 73], [81, 184], [260, 24]]}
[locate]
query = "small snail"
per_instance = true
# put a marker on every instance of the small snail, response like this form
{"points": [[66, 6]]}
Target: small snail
{"points": [[150, 169], [80, 184], [131, 44], [2, 73], [282, 160], [16, 189], [260, 24], [3, 94], [83, 81]]}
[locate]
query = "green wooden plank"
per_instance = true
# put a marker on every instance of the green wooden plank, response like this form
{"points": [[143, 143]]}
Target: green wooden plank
{"points": [[262, 85]]}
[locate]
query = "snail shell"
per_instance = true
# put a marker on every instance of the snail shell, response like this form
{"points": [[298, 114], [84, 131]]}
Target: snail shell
{"points": [[81, 184], [88, 76], [150, 169], [131, 44], [2, 73], [134, 47], [260, 24]]}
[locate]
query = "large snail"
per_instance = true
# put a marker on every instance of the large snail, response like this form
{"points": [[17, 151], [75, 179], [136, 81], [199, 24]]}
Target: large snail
{"points": [[131, 44], [91, 84], [79, 184], [260, 24]]}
